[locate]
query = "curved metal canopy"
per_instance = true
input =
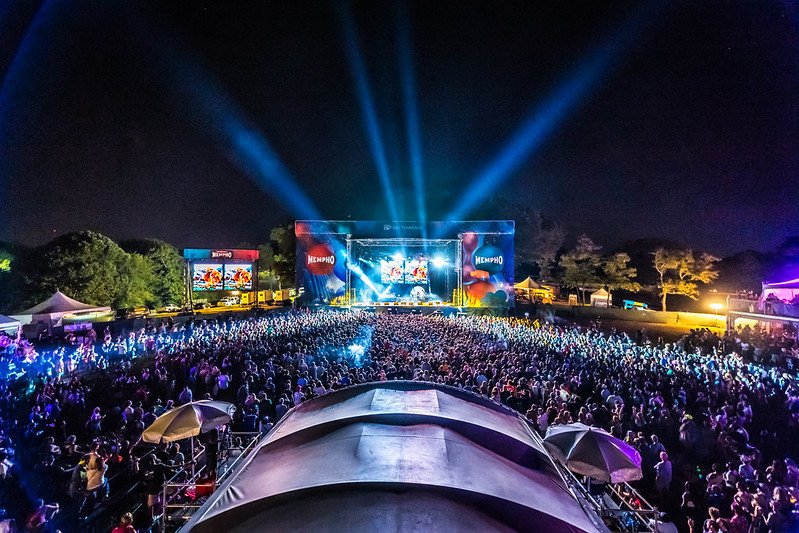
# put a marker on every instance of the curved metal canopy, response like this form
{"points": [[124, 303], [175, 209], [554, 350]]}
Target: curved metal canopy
{"points": [[396, 456]]}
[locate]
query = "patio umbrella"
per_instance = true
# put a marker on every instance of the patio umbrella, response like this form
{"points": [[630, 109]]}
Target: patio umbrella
{"points": [[188, 421], [593, 452]]}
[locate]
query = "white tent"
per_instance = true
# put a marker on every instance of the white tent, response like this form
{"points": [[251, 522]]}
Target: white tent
{"points": [[53, 310], [527, 285], [9, 325], [778, 298], [784, 290], [600, 298]]}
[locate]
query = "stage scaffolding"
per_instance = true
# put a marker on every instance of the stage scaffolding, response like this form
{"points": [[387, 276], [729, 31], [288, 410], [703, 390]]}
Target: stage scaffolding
{"points": [[400, 242]]}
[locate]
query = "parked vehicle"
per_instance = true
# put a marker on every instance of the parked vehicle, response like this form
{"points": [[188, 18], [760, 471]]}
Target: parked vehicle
{"points": [[170, 308], [281, 297], [228, 301], [132, 312]]}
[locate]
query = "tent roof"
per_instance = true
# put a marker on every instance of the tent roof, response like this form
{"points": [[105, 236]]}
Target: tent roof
{"points": [[601, 293], [527, 284], [394, 457], [61, 303], [790, 284], [6, 322]]}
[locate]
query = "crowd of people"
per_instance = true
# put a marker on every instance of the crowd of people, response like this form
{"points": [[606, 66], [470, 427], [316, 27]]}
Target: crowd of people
{"points": [[712, 416]]}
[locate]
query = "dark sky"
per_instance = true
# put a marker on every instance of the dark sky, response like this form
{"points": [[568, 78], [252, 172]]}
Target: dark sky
{"points": [[110, 117]]}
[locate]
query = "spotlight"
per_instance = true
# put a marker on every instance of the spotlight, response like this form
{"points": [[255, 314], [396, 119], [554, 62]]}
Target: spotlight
{"points": [[398, 257], [199, 94], [544, 120], [439, 262], [363, 92], [408, 79]]}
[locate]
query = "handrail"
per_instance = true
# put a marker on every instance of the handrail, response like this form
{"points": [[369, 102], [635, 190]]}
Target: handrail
{"points": [[255, 437], [173, 489], [626, 508]]}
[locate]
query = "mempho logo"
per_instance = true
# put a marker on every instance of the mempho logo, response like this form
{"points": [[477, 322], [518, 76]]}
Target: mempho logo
{"points": [[320, 260], [488, 258]]}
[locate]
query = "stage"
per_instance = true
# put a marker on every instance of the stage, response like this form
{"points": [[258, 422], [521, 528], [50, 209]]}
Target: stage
{"points": [[368, 264], [412, 309]]}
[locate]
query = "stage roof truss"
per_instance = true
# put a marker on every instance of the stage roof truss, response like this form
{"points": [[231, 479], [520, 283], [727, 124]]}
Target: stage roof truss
{"points": [[393, 242]]}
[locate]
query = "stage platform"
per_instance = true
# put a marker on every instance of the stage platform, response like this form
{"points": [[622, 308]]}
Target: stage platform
{"points": [[419, 308]]}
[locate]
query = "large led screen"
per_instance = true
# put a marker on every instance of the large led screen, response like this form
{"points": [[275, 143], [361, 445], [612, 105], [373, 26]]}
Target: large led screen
{"points": [[207, 277], [415, 271], [238, 277], [390, 272]]}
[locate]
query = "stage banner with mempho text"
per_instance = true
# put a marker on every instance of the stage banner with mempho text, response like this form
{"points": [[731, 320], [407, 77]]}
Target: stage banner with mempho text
{"points": [[486, 262]]}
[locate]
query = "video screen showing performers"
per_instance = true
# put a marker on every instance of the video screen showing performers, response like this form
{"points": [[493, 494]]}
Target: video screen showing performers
{"points": [[238, 277], [391, 272], [416, 271], [207, 277]]}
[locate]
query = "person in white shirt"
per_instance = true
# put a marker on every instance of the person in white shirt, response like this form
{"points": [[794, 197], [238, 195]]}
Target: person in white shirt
{"points": [[5, 464]]}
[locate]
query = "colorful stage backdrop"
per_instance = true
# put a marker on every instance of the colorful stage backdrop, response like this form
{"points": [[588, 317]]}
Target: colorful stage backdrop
{"points": [[329, 276]]}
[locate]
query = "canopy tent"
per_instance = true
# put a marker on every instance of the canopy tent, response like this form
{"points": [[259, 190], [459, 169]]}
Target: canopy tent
{"points": [[527, 285], [188, 421], [56, 307], [9, 325], [396, 456], [534, 291], [593, 452], [600, 298], [779, 298], [784, 290]]}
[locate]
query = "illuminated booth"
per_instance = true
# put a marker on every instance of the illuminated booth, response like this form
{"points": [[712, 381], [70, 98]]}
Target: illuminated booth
{"points": [[221, 270], [370, 263]]}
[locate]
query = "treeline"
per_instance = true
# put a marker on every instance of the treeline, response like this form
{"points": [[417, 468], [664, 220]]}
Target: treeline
{"points": [[649, 269], [92, 268]]}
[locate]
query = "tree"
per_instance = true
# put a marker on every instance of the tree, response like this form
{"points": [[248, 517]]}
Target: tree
{"points": [[743, 271], [137, 281], [580, 266], [282, 261], [13, 261], [85, 265], [166, 266], [617, 274], [539, 240], [681, 271], [789, 247], [5, 261]]}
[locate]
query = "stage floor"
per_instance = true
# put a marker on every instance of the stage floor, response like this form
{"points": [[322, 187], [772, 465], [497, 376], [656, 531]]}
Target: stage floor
{"points": [[446, 309]]}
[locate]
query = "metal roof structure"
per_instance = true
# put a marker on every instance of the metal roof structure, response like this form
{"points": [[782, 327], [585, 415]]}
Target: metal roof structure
{"points": [[396, 456]]}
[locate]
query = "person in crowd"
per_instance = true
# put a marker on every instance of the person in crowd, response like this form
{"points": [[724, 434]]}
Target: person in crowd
{"points": [[663, 474], [707, 398], [125, 524], [96, 482], [41, 516]]}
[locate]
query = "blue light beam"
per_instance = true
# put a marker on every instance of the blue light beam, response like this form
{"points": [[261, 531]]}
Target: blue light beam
{"points": [[544, 119], [219, 113], [22, 81], [364, 93], [410, 106]]}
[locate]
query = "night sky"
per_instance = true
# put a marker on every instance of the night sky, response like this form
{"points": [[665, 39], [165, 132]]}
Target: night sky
{"points": [[112, 117]]}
